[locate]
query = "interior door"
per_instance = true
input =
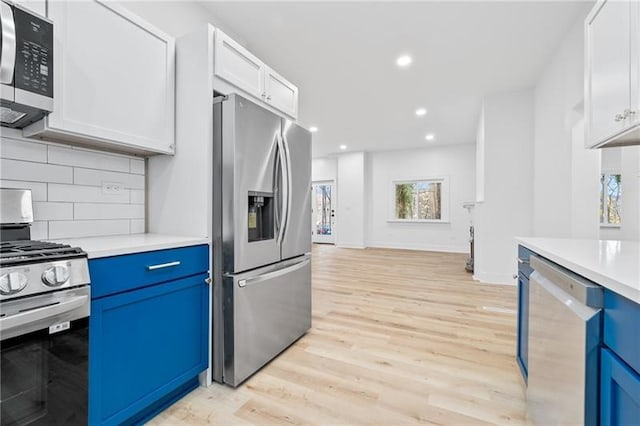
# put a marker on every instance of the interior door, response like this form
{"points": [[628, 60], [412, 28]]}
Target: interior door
{"points": [[297, 143], [323, 209], [250, 136]]}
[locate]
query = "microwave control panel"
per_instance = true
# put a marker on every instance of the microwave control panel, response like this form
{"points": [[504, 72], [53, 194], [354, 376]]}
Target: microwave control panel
{"points": [[34, 54]]}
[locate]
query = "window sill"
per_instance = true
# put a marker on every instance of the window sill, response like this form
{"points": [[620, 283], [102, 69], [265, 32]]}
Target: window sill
{"points": [[416, 221]]}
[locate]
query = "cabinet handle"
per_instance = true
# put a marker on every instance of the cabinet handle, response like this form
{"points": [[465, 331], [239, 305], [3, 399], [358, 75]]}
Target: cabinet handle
{"points": [[263, 95], [619, 117], [163, 265], [269, 97], [523, 261], [628, 113]]}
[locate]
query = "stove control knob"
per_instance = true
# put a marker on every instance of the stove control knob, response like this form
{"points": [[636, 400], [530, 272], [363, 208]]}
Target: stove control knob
{"points": [[55, 276], [12, 283]]}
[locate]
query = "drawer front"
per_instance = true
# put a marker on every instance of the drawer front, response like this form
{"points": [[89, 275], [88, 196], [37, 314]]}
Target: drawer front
{"points": [[524, 256], [619, 392], [144, 345], [117, 274], [621, 319]]}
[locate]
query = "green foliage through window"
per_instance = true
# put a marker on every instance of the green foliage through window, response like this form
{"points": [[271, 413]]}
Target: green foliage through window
{"points": [[610, 199], [418, 200]]}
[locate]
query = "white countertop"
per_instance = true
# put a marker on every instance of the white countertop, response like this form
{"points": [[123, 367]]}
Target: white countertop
{"points": [[127, 244], [614, 265]]}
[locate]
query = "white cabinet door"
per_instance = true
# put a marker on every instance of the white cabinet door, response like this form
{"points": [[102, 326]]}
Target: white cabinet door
{"points": [[281, 94], [608, 71], [114, 80], [37, 6], [238, 66]]}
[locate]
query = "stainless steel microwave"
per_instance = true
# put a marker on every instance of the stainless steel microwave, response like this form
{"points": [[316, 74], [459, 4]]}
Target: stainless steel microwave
{"points": [[26, 66]]}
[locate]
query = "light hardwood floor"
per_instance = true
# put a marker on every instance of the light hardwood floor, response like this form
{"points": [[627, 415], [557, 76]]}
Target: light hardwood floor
{"points": [[398, 337]]}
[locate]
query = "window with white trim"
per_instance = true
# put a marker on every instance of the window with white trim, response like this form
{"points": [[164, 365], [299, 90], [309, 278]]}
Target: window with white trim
{"points": [[610, 199], [420, 200]]}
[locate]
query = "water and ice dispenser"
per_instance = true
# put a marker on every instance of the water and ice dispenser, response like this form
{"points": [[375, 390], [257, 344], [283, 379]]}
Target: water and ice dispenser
{"points": [[260, 216]]}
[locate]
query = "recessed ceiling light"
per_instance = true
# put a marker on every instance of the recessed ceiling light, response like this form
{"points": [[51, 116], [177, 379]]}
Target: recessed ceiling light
{"points": [[313, 129], [343, 147], [420, 112], [404, 61], [430, 137]]}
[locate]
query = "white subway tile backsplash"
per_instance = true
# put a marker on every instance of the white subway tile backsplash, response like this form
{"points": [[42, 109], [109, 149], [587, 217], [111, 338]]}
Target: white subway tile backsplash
{"points": [[38, 190], [137, 196], [98, 177], [67, 188], [85, 194], [35, 172], [52, 211], [87, 228], [137, 166], [137, 226], [40, 230], [108, 211], [89, 159], [22, 150]]}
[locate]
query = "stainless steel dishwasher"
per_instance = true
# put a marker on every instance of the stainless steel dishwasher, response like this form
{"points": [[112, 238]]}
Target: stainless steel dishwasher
{"points": [[564, 336]]}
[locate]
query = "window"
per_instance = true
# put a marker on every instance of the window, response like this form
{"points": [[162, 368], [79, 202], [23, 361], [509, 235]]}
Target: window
{"points": [[420, 200], [610, 199]]}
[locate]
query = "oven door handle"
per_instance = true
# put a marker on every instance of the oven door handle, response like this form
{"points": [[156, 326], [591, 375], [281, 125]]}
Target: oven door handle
{"points": [[11, 325]]}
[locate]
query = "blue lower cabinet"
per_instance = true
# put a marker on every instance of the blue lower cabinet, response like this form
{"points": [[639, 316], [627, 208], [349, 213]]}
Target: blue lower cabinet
{"points": [[523, 325], [147, 348], [619, 392]]}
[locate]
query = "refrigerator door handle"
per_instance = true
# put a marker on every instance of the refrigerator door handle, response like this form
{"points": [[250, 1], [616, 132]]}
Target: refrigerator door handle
{"points": [[274, 274], [288, 192], [284, 190]]}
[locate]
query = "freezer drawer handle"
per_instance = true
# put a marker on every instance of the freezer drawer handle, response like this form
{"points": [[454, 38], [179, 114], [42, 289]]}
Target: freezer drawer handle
{"points": [[163, 265], [274, 274]]}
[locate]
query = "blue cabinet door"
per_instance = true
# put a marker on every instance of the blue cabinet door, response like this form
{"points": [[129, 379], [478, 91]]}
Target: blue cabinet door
{"points": [[619, 392], [523, 324], [145, 345]]}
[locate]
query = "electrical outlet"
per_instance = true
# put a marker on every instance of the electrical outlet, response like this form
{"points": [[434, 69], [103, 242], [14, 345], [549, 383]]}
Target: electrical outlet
{"points": [[112, 187]]}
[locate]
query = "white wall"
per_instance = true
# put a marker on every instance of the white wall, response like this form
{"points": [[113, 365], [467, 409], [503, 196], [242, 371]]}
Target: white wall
{"points": [[351, 188], [178, 18], [66, 187], [565, 174], [457, 163], [324, 169], [508, 172]]}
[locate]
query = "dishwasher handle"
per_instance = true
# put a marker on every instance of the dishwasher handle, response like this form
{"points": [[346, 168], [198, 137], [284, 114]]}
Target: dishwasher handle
{"points": [[581, 289]]}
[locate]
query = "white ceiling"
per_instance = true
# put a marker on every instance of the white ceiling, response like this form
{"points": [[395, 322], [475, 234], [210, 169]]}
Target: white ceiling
{"points": [[342, 57]]}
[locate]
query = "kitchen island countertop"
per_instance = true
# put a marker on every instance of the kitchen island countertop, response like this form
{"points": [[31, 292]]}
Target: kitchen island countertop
{"points": [[116, 245], [613, 264]]}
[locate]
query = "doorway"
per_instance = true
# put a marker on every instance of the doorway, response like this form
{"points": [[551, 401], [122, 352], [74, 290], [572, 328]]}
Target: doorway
{"points": [[323, 207]]}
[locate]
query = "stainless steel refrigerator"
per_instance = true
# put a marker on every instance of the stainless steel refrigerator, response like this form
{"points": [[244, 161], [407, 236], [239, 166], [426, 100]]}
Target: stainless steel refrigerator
{"points": [[261, 237]]}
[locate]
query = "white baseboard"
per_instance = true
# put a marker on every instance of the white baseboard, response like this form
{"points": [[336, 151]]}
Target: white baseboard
{"points": [[351, 246], [494, 278], [420, 247]]}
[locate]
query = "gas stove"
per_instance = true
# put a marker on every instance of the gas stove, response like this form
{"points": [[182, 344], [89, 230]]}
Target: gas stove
{"points": [[32, 267]]}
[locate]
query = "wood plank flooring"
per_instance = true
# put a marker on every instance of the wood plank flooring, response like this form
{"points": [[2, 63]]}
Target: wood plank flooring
{"points": [[398, 337]]}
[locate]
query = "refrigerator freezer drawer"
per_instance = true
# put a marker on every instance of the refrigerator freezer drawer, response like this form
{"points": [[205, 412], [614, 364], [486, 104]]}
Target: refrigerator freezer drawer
{"points": [[270, 309]]}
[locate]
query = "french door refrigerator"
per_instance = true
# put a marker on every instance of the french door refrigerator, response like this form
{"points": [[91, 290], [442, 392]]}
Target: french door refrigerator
{"points": [[261, 238]]}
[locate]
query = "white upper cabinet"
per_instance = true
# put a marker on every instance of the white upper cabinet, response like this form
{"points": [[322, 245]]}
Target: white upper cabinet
{"points": [[237, 65], [114, 80], [280, 93], [242, 70], [611, 74]]}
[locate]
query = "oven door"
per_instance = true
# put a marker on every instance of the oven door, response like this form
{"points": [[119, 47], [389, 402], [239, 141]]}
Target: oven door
{"points": [[44, 359]]}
